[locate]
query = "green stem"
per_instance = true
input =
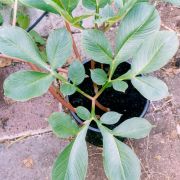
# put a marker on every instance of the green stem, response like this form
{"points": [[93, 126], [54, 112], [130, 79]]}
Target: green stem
{"points": [[101, 90], [63, 80], [83, 93]]}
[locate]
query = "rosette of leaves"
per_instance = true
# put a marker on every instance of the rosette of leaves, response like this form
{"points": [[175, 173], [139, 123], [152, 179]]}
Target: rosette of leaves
{"points": [[139, 39]]}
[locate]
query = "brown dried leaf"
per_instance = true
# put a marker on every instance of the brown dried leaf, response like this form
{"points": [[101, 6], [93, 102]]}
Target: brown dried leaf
{"points": [[5, 62]]}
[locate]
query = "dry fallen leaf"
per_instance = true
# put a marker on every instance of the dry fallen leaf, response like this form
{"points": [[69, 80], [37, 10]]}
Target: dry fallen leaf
{"points": [[158, 157], [5, 62], [28, 163], [178, 129]]}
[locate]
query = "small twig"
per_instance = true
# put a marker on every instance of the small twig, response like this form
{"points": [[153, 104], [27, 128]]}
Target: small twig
{"points": [[15, 13], [61, 70], [168, 28]]}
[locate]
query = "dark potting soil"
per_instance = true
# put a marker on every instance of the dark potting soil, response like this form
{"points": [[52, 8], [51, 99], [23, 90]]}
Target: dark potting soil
{"points": [[130, 104]]}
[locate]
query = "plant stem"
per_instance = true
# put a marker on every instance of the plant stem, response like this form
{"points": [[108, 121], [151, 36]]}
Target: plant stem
{"points": [[76, 52], [101, 90], [15, 12], [83, 93]]}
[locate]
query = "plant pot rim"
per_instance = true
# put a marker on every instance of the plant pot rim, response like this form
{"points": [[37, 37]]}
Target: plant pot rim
{"points": [[79, 121]]}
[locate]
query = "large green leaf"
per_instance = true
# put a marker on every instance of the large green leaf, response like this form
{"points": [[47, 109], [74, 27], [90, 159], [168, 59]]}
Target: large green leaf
{"points": [[76, 72], [83, 113], [59, 47], [16, 42], [97, 46], [63, 125], [39, 4], [155, 52], [99, 76], [25, 85], [150, 87], [120, 162], [110, 117], [73, 161], [142, 21], [93, 4], [136, 128]]}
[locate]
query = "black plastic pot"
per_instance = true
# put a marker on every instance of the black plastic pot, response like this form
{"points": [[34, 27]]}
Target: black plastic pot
{"points": [[130, 104]]}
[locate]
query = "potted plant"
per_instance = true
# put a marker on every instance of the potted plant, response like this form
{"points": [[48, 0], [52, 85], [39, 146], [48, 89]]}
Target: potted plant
{"points": [[102, 93]]}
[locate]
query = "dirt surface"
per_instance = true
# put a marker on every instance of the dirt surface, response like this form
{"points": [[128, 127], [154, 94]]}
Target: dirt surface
{"points": [[32, 158], [18, 117]]}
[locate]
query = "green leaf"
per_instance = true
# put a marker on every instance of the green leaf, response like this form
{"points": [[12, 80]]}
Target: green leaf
{"points": [[174, 2], [76, 72], [37, 38], [150, 87], [93, 4], [155, 52], [67, 89], [97, 46], [25, 85], [1, 19], [63, 125], [73, 161], [57, 5], [16, 42], [119, 85], [135, 128], [59, 47], [69, 5], [142, 21], [110, 118], [105, 14], [39, 4], [120, 162], [99, 76], [79, 19], [83, 113], [23, 20]]}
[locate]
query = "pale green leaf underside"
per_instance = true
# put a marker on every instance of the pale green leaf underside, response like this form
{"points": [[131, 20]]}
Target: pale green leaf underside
{"points": [[16, 42], [25, 85], [59, 47], [142, 21], [73, 161], [150, 87], [136, 128], [63, 125]]}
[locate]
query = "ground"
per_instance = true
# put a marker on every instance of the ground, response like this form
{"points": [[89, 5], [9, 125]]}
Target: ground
{"points": [[28, 147]]}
